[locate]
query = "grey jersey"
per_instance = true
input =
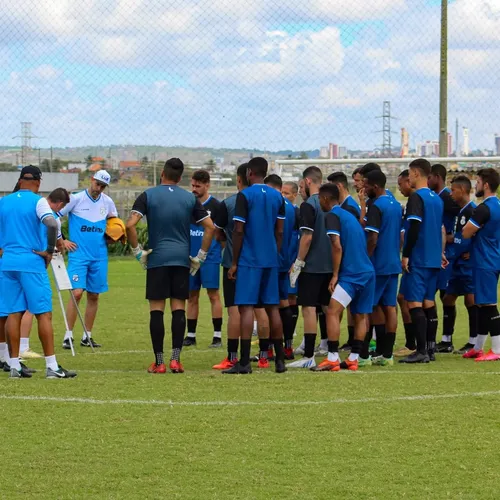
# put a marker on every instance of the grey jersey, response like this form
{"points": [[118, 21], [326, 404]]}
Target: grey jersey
{"points": [[169, 210], [224, 221], [312, 218]]}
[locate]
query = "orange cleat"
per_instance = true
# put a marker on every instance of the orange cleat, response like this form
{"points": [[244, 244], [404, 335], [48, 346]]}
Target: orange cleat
{"points": [[176, 367], [327, 366], [154, 368], [225, 365], [349, 365], [263, 363], [489, 356], [472, 353]]}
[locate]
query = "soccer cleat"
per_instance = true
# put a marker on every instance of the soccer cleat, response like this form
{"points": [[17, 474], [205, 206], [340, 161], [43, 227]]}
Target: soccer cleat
{"points": [[489, 356], [154, 368], [26, 368], [225, 365], [416, 357], [216, 343], [289, 353], [189, 341], [279, 366], [59, 373], [176, 366], [404, 352], [302, 363], [86, 342], [66, 344], [319, 351], [22, 373], [270, 354], [362, 362], [263, 363], [254, 359], [6, 367], [373, 345], [327, 366], [386, 361], [467, 347], [347, 364], [376, 360], [472, 353], [299, 351], [432, 354], [345, 348], [29, 354], [238, 369], [444, 348]]}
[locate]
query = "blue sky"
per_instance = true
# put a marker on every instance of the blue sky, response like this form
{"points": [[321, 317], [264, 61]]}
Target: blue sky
{"points": [[266, 74]]}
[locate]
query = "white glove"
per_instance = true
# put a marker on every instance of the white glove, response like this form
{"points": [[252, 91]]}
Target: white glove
{"points": [[141, 255], [297, 267], [197, 261]]}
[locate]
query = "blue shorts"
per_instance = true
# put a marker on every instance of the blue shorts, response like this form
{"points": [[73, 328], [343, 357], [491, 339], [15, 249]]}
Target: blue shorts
{"points": [[91, 276], [461, 283], [402, 284], [3, 307], [283, 285], [386, 290], [421, 284], [485, 284], [360, 290], [23, 291], [257, 285], [443, 277], [207, 277]]}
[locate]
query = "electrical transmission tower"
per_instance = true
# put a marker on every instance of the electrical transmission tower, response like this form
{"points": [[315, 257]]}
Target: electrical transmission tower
{"points": [[25, 137], [386, 129]]}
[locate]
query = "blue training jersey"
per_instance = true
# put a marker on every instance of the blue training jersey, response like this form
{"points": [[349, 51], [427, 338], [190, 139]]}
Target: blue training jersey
{"points": [[461, 245], [21, 216], [294, 245], [259, 207], [351, 206], [290, 228], [355, 260], [486, 242], [211, 205], [384, 218], [224, 221], [87, 225]]}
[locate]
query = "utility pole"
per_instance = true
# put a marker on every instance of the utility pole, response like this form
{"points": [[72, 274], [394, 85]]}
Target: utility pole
{"points": [[457, 147], [443, 83], [153, 157], [386, 130], [25, 137], [39, 157], [51, 158]]}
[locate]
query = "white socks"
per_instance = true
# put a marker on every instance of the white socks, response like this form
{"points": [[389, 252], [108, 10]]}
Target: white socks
{"points": [[333, 356], [353, 357], [68, 334], [14, 363], [24, 345], [495, 344], [218, 335], [255, 328], [480, 341], [192, 335], [446, 338], [84, 335], [472, 340], [4, 352], [50, 362]]}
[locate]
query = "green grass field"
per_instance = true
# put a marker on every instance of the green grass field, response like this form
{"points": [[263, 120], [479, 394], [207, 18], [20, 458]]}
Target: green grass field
{"points": [[427, 431]]}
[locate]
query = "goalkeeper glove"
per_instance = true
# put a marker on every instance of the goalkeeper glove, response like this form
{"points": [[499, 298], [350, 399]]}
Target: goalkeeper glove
{"points": [[197, 261], [141, 255], [297, 267]]}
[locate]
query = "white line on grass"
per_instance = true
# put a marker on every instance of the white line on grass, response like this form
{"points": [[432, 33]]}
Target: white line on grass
{"points": [[339, 401]]}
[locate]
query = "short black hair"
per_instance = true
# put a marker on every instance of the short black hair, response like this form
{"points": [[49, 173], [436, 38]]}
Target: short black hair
{"points": [[376, 178], [464, 181], [202, 176], [369, 167], [173, 169], [293, 185], [439, 170], [258, 166], [59, 195], [330, 191], [491, 176], [405, 173], [241, 173], [313, 173], [356, 171], [422, 165], [339, 178], [274, 181]]}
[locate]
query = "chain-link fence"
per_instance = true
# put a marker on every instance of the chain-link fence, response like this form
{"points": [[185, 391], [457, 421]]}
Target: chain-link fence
{"points": [[125, 84]]}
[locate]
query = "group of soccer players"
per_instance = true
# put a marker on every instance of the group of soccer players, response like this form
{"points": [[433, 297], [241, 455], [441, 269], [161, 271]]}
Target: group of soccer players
{"points": [[330, 254]]}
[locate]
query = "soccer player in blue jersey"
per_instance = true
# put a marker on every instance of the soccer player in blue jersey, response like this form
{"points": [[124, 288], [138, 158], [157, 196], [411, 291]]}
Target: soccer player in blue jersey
{"points": [[169, 210], [286, 259], [383, 226], [422, 260], [259, 220], [27, 251], [224, 225], [437, 182], [352, 282], [87, 213], [460, 279], [209, 275], [313, 266], [485, 225]]}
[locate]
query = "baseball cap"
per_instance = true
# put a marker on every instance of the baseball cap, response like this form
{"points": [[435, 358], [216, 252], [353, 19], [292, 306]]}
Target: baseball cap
{"points": [[30, 172], [102, 176]]}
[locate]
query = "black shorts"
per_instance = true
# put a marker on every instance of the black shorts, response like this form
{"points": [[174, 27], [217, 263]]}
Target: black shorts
{"points": [[167, 282], [228, 288], [313, 289]]}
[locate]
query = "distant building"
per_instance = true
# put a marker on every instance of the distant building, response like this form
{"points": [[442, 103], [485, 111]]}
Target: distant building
{"points": [[95, 167], [465, 146], [129, 169], [81, 167], [323, 152], [405, 141], [450, 144], [342, 152], [333, 151], [497, 144]]}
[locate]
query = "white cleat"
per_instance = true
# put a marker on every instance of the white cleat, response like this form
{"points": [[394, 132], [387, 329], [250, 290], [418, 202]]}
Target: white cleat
{"points": [[299, 351], [303, 363], [29, 354], [320, 351]]}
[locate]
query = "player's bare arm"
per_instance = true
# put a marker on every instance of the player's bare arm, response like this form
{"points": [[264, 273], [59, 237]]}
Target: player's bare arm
{"points": [[208, 233], [336, 258], [132, 221], [238, 233], [278, 233], [372, 242]]}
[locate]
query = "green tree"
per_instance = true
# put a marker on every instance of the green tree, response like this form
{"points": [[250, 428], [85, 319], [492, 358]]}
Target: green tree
{"points": [[210, 165]]}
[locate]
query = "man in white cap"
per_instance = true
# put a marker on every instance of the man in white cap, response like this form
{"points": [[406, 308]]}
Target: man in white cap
{"points": [[88, 212]]}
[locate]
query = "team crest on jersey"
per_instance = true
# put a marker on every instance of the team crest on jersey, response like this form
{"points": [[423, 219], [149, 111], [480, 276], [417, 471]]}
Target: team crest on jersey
{"points": [[103, 211], [462, 220], [75, 277]]}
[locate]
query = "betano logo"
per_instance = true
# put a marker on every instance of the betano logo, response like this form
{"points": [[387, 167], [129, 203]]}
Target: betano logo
{"points": [[91, 229], [196, 232]]}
